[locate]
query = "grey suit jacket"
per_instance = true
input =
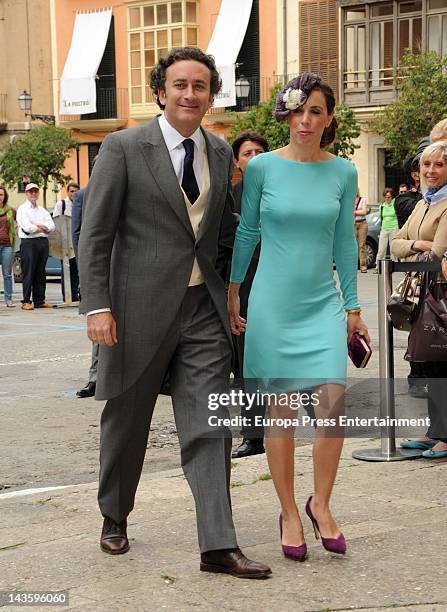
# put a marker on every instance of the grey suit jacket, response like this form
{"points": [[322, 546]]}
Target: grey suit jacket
{"points": [[76, 219], [137, 246]]}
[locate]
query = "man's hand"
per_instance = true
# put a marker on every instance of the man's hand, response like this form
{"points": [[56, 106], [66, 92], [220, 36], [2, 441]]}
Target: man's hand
{"points": [[101, 328], [42, 228]]}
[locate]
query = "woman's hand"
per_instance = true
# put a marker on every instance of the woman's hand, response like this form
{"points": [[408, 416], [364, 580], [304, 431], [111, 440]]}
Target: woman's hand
{"points": [[237, 323], [422, 245], [357, 324], [444, 267]]}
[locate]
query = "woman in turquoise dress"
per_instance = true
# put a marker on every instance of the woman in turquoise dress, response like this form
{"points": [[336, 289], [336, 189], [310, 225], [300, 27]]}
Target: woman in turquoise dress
{"points": [[299, 200]]}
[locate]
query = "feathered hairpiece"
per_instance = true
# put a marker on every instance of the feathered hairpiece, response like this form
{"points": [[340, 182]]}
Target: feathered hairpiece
{"points": [[295, 94]]}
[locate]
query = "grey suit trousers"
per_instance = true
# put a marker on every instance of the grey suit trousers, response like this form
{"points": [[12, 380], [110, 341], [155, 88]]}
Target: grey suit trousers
{"points": [[197, 352], [93, 370]]}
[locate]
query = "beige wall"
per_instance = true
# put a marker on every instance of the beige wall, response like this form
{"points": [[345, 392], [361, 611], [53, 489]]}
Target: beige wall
{"points": [[25, 57]]}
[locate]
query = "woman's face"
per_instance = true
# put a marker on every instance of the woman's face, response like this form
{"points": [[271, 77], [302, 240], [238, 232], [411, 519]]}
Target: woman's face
{"points": [[308, 122], [388, 197], [434, 170], [2, 197]]}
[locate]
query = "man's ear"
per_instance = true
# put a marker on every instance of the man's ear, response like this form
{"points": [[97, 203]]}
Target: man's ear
{"points": [[236, 163], [161, 95]]}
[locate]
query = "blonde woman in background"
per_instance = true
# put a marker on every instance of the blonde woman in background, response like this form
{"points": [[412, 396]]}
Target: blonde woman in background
{"points": [[426, 230]]}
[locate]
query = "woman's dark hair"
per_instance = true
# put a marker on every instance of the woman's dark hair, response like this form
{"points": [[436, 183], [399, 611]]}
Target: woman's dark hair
{"points": [[158, 74], [5, 201], [248, 136], [330, 132], [387, 190]]}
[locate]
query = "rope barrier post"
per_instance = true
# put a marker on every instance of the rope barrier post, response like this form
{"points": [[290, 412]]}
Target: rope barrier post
{"points": [[387, 450]]}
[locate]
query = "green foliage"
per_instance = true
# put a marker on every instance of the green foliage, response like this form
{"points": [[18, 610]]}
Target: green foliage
{"points": [[348, 130], [422, 102], [260, 119], [40, 154]]}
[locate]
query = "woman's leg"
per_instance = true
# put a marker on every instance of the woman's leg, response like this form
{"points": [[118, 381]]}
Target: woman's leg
{"points": [[391, 234], [6, 262], [326, 456], [280, 449], [362, 232], [381, 249]]}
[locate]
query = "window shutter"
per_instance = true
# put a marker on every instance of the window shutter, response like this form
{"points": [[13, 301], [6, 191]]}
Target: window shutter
{"points": [[318, 39], [106, 83], [249, 54]]}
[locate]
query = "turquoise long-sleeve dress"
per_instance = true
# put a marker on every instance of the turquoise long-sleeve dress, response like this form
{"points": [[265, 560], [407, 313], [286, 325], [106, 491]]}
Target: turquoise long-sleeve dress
{"points": [[303, 213]]}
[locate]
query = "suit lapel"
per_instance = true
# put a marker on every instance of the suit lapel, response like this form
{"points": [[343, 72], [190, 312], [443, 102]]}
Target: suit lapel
{"points": [[218, 174], [159, 162]]}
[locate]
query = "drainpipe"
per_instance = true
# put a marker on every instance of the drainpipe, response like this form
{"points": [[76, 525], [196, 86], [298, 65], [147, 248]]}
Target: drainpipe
{"points": [[284, 33]]}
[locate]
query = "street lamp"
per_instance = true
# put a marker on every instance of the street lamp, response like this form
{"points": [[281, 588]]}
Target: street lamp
{"points": [[242, 87], [25, 104]]}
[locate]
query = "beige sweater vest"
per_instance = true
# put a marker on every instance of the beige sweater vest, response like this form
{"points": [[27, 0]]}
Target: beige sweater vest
{"points": [[195, 213]]}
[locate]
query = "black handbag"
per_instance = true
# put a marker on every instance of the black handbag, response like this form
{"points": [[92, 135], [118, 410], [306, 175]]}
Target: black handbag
{"points": [[428, 336], [404, 301]]}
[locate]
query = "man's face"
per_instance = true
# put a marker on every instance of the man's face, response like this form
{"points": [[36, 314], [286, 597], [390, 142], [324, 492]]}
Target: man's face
{"points": [[247, 150], [32, 195], [71, 191], [187, 95]]}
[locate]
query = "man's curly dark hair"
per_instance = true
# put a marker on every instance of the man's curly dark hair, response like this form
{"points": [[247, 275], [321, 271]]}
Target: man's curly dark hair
{"points": [[158, 74]]}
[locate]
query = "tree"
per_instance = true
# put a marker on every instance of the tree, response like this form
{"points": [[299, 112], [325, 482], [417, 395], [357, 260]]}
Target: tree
{"points": [[40, 154], [348, 130], [261, 119], [422, 102]]}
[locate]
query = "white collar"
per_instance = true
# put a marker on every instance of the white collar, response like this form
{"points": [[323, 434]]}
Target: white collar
{"points": [[173, 138]]}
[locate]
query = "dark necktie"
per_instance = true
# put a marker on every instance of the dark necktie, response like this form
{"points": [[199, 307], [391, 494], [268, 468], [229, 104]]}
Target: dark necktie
{"points": [[189, 182]]}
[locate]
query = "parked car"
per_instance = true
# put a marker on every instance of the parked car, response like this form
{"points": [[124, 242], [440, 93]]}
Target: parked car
{"points": [[372, 238], [53, 267]]}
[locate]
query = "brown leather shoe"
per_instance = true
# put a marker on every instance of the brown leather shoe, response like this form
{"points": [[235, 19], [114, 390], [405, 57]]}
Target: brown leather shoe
{"points": [[27, 306], [45, 305], [232, 561], [114, 537]]}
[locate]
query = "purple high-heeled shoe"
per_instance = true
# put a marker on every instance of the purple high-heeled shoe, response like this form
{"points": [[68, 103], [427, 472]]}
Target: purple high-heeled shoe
{"points": [[297, 553], [335, 545]]}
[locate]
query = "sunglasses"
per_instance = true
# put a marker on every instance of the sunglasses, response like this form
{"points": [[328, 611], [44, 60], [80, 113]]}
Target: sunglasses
{"points": [[33, 191]]}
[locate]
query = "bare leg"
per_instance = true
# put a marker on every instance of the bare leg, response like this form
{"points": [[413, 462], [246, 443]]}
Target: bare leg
{"points": [[280, 446], [326, 456]]}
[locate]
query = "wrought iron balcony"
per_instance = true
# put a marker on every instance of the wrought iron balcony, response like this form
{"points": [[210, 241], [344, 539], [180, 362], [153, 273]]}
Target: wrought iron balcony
{"points": [[111, 103]]}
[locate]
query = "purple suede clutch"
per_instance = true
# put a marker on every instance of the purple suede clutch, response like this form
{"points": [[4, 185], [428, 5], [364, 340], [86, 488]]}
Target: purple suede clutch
{"points": [[359, 350]]}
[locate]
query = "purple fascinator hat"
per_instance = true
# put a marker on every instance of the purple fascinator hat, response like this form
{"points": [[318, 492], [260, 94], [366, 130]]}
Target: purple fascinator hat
{"points": [[295, 94]]}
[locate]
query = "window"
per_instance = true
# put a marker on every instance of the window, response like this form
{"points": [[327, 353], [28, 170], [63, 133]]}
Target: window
{"points": [[437, 34], [355, 56], [410, 35], [319, 45], [154, 29], [376, 37], [106, 102]]}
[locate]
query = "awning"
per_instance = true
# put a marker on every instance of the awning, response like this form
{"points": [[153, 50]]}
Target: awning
{"points": [[226, 43], [78, 89]]}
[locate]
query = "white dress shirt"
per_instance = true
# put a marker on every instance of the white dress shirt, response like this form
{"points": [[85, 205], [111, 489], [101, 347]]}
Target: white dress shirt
{"points": [[28, 216], [174, 142], [58, 207]]}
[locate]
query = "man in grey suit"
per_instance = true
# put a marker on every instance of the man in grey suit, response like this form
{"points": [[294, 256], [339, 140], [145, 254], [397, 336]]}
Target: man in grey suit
{"points": [[157, 205]]}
